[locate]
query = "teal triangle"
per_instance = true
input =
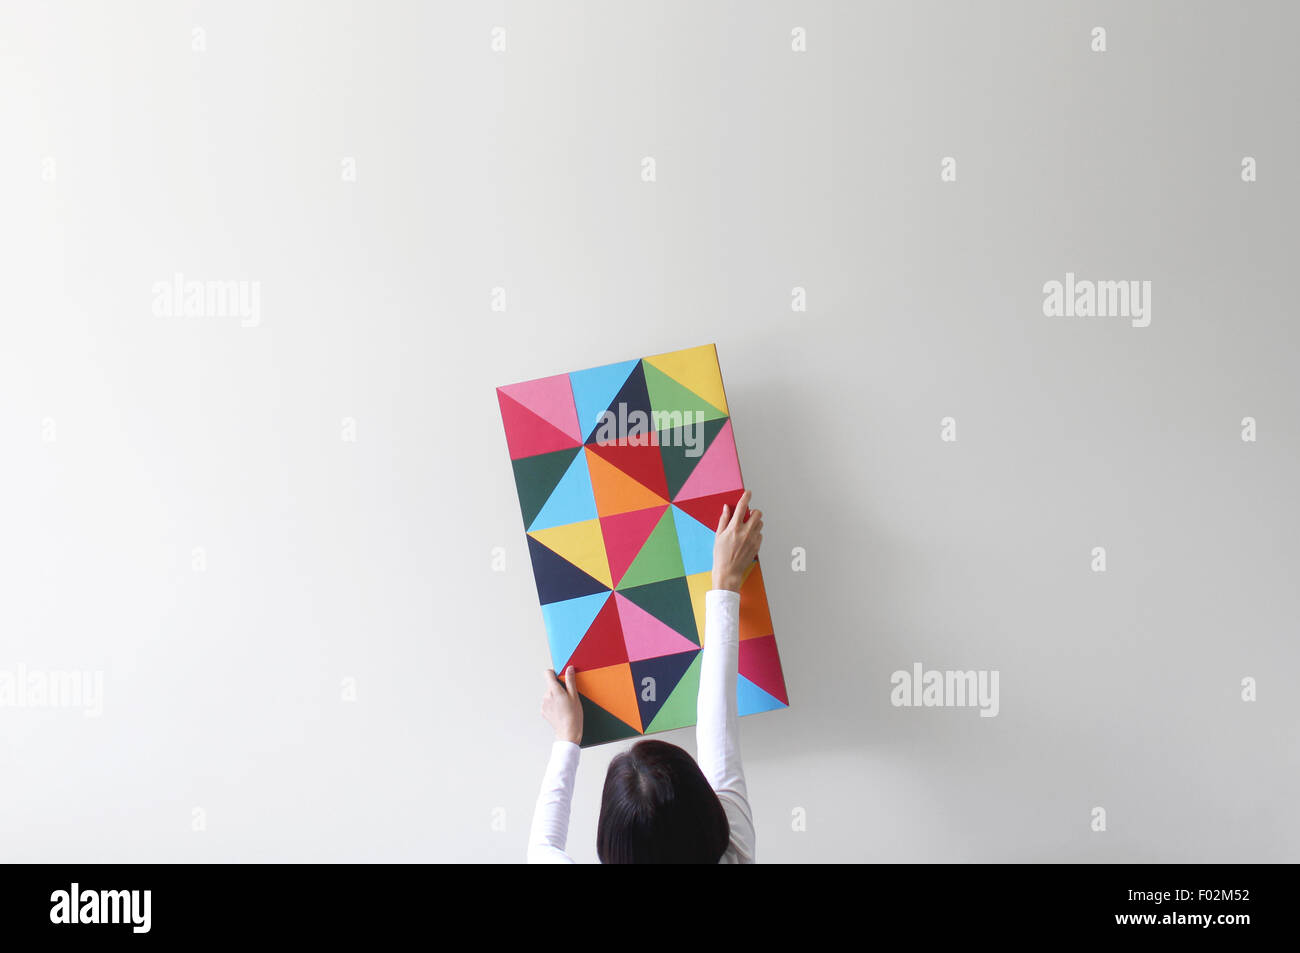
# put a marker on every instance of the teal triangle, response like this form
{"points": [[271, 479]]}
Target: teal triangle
{"points": [[595, 389], [599, 726], [568, 621], [537, 476], [750, 699], [696, 542], [572, 500]]}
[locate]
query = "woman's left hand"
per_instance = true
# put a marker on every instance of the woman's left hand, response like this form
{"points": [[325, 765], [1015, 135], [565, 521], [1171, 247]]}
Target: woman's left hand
{"points": [[562, 707]]}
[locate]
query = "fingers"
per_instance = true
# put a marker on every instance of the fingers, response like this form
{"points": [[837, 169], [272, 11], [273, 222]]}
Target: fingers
{"points": [[569, 684], [754, 533], [742, 508], [726, 516]]}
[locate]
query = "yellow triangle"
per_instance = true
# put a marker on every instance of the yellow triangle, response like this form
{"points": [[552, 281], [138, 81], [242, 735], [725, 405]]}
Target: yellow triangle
{"points": [[699, 584], [581, 544], [696, 369]]}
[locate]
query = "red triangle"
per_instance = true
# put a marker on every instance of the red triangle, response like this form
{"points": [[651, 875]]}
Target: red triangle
{"points": [[625, 534], [603, 644], [527, 434], [708, 509], [761, 665], [643, 464]]}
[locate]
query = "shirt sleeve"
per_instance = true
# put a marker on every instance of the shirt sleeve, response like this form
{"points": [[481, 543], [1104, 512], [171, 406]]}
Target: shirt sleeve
{"points": [[717, 730], [550, 828]]}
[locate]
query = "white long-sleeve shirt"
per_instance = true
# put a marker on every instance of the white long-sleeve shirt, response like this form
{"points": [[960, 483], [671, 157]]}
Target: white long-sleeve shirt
{"points": [[717, 742]]}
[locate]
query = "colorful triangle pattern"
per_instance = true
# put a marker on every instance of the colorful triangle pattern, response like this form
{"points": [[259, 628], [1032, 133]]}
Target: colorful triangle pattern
{"points": [[622, 472]]}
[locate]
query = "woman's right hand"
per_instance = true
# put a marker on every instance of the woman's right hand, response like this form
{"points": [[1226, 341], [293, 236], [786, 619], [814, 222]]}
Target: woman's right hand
{"points": [[736, 544]]}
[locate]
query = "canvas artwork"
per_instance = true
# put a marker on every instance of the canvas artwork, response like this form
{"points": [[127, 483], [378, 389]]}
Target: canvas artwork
{"points": [[622, 472]]}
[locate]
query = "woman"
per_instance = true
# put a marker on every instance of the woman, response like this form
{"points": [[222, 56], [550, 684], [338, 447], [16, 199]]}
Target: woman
{"points": [[659, 805]]}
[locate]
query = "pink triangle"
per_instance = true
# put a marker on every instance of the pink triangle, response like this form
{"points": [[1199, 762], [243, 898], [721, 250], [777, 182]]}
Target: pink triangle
{"points": [[717, 472], [550, 398], [625, 534], [645, 636], [526, 433]]}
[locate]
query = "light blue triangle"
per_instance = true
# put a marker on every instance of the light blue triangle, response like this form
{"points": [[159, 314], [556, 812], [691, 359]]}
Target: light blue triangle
{"points": [[572, 500], [567, 622], [696, 541], [594, 389], [750, 699]]}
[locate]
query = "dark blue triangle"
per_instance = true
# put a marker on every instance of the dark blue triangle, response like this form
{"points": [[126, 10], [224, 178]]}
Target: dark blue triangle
{"points": [[557, 578], [667, 671], [632, 396]]}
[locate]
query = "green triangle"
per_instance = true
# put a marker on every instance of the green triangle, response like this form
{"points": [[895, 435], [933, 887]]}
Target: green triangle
{"points": [[679, 709], [673, 447], [660, 556], [536, 478], [669, 602], [668, 397], [599, 726]]}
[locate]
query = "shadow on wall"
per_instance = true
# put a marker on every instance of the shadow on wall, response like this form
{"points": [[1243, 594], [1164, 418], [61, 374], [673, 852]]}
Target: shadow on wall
{"points": [[815, 500]]}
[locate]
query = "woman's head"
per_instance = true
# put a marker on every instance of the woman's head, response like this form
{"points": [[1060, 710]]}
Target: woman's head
{"points": [[657, 808]]}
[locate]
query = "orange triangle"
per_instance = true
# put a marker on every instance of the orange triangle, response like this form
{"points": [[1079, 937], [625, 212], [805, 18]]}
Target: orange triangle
{"points": [[755, 616], [615, 491], [612, 689]]}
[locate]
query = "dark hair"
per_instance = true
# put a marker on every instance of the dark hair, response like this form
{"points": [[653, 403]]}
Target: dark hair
{"points": [[657, 808]]}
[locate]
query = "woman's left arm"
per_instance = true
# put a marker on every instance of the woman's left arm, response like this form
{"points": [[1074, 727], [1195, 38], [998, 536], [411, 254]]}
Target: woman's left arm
{"points": [[562, 707], [550, 829]]}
